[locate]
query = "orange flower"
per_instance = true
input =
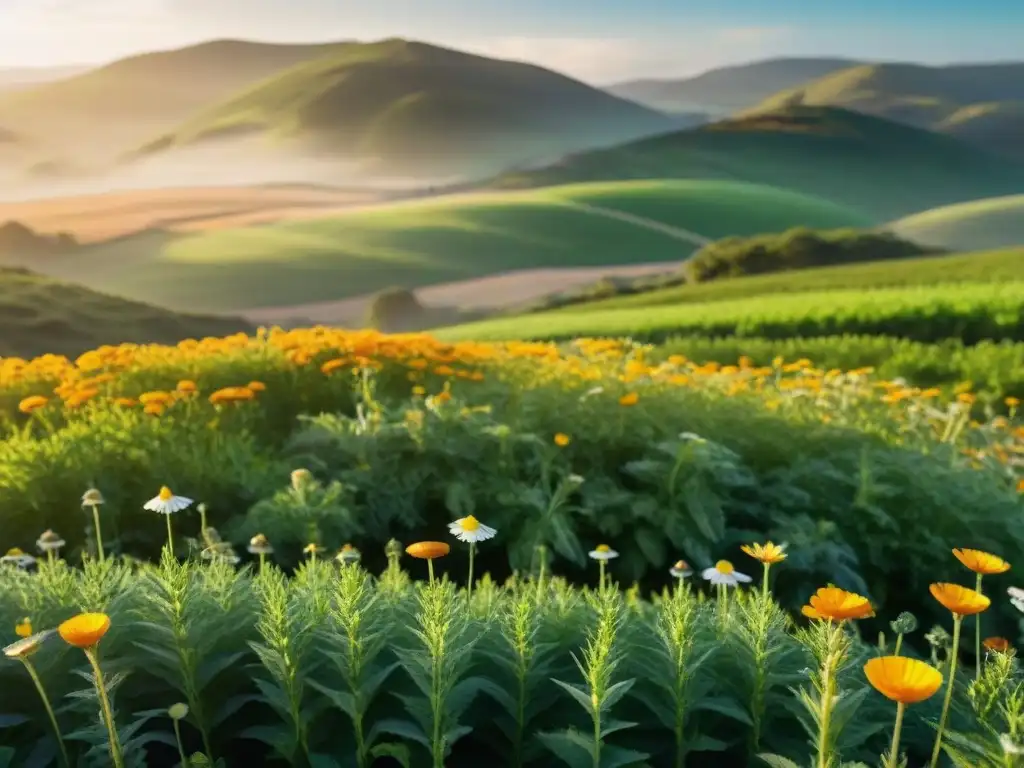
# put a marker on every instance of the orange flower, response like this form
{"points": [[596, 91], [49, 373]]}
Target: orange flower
{"points": [[231, 395], [428, 550], [836, 604], [332, 365], [257, 386], [125, 402], [981, 562], [33, 403], [562, 440], [84, 630], [904, 680], [629, 399], [959, 600], [186, 386], [24, 628], [768, 554], [997, 644]]}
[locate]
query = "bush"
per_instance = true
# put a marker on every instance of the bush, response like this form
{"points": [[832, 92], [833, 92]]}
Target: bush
{"points": [[798, 248], [395, 310]]}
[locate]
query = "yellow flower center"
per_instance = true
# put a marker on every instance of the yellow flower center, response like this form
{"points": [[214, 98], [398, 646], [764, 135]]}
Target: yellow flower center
{"points": [[603, 548], [470, 523], [724, 567], [15, 552], [23, 628], [165, 494]]}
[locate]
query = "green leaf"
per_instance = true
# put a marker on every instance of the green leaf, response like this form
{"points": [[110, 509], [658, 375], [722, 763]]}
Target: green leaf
{"points": [[564, 540], [610, 726], [581, 696], [397, 752], [615, 693], [6, 757], [727, 707], [343, 700], [616, 757], [777, 761], [9, 721], [402, 728], [652, 544], [570, 748], [705, 508]]}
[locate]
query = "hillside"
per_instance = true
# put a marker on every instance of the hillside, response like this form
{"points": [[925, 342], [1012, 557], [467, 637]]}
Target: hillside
{"points": [[436, 240], [42, 315], [942, 98], [882, 168], [992, 223], [408, 106], [123, 103], [727, 89]]}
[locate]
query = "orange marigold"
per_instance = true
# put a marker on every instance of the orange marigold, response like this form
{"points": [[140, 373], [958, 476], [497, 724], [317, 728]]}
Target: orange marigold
{"points": [[959, 600], [981, 562], [84, 630], [997, 644], [32, 403], [631, 398], [428, 550], [836, 604], [904, 680]]}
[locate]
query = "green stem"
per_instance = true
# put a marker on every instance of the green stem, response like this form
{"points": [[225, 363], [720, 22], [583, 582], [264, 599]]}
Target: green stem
{"points": [[540, 578], [430, 569], [597, 737], [49, 709], [263, 560], [977, 636], [957, 621], [764, 585], [469, 585], [899, 642], [600, 564], [894, 750], [99, 536], [108, 714], [170, 536], [826, 700], [50, 556], [181, 749]]}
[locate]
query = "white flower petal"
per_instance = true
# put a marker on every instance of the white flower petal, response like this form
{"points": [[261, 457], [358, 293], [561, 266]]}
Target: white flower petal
{"points": [[741, 576], [711, 574]]}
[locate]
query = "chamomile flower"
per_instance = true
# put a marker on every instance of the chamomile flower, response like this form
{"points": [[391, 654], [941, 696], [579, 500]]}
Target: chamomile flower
{"points": [[166, 503], [18, 558], [26, 646], [260, 545], [92, 498], [724, 574], [603, 552], [681, 570], [471, 530]]}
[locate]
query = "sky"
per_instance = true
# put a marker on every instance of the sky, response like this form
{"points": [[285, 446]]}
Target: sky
{"points": [[599, 41]]}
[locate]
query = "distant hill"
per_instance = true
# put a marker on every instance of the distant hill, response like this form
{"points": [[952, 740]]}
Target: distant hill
{"points": [[728, 89], [413, 106], [981, 102], [121, 104], [25, 77], [42, 315], [993, 223], [879, 167]]}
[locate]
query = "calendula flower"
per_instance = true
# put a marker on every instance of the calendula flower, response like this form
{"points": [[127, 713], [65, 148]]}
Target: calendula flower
{"points": [[166, 503], [428, 550], [33, 403], [348, 555], [902, 679], [471, 530], [981, 562], [27, 645], [996, 644], [49, 542], [186, 387], [834, 604], [18, 558], [257, 386], [959, 600], [260, 545], [767, 554], [84, 630], [681, 570], [724, 574], [631, 398], [603, 552], [562, 440]]}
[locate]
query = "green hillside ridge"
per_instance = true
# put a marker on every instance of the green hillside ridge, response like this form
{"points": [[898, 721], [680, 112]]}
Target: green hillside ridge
{"points": [[989, 223], [883, 168], [728, 89], [947, 99], [436, 240], [412, 105], [41, 316]]}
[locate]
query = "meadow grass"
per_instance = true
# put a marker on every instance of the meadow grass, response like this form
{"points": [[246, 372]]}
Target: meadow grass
{"points": [[990, 223]]}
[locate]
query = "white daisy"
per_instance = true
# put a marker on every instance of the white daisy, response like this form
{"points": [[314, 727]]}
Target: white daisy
{"points": [[603, 552], [260, 545], [49, 542], [348, 555], [313, 549], [681, 570], [472, 530], [724, 574], [1016, 597], [166, 503], [18, 558]]}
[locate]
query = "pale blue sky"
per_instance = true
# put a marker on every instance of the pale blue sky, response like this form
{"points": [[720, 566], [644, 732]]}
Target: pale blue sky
{"points": [[596, 40]]}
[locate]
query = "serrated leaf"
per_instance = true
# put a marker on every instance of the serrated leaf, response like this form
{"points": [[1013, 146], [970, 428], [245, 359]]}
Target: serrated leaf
{"points": [[610, 726], [615, 693], [567, 748], [582, 697], [402, 728]]}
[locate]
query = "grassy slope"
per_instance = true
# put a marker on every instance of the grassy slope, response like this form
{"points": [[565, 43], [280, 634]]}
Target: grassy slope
{"points": [[434, 240], [41, 316], [421, 105], [991, 223], [944, 98], [728, 88], [882, 168], [986, 267]]}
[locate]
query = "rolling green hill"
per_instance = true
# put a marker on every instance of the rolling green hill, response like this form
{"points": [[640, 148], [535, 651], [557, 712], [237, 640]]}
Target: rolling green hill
{"points": [[409, 105], [123, 103], [437, 240], [975, 102], [728, 89], [42, 316], [882, 168], [991, 223]]}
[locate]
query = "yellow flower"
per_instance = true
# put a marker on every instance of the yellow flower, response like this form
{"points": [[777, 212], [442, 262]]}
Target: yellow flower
{"points": [[84, 630], [257, 386], [32, 403], [186, 386], [419, 391], [834, 604], [631, 398], [902, 679], [23, 628], [232, 395], [562, 440], [428, 550], [1012, 402], [769, 553], [959, 600], [981, 562]]}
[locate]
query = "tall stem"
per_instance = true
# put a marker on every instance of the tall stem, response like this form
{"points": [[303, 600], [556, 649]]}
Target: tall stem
{"points": [[170, 536], [899, 643], [181, 749], [108, 713], [540, 578], [977, 636], [957, 621], [99, 535], [600, 564], [430, 569], [49, 710], [469, 586], [826, 698], [764, 585], [894, 750]]}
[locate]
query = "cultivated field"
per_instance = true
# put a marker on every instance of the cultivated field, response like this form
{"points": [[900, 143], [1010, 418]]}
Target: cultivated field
{"points": [[990, 223]]}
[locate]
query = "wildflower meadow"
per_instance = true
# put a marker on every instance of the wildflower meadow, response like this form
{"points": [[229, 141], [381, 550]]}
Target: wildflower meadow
{"points": [[609, 558]]}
